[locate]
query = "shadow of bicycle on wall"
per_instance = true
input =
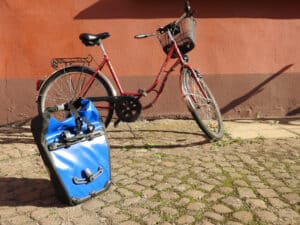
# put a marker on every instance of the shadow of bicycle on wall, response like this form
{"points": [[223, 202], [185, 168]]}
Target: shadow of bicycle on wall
{"points": [[254, 91], [145, 9]]}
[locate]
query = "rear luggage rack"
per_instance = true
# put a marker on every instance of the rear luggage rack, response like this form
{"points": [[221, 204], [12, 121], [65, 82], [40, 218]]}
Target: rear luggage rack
{"points": [[64, 62]]}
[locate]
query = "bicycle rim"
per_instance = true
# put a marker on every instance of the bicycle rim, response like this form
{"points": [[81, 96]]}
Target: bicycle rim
{"points": [[204, 110], [66, 86]]}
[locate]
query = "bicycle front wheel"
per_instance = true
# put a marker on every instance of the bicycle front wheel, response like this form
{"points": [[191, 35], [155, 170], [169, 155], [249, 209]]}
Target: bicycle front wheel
{"points": [[202, 104], [66, 84]]}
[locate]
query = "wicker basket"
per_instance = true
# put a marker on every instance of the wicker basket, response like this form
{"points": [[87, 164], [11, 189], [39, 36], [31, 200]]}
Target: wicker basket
{"points": [[184, 37]]}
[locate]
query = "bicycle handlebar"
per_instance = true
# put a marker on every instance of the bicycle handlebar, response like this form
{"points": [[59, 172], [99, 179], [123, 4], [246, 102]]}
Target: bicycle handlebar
{"points": [[187, 13], [187, 9]]}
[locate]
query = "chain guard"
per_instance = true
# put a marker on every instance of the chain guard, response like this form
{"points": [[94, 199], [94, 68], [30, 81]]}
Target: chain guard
{"points": [[128, 108]]}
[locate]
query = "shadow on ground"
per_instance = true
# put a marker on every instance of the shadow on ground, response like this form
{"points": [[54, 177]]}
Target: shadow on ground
{"points": [[18, 134], [27, 192], [144, 139]]}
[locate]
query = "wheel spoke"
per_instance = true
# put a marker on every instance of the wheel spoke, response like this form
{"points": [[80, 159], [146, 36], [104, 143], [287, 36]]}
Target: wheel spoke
{"points": [[202, 105], [66, 85]]}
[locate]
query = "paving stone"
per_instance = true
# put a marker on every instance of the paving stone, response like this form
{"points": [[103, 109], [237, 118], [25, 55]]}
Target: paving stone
{"points": [[205, 222], [277, 203], [147, 182], [40, 213], [240, 183], [292, 198], [129, 222], [275, 183], [243, 216], [169, 195], [283, 190], [233, 202], [213, 181], [111, 197], [158, 177], [174, 181], [182, 187], [139, 211], [226, 190], [132, 201], [292, 183], [169, 211], [20, 219], [233, 223], [93, 204], [183, 202], [51, 221], [7, 212], [196, 206], [152, 219], [195, 194], [253, 178], [206, 187], [214, 216], [267, 193], [136, 187], [110, 210], [215, 197], [186, 219], [127, 181], [256, 203], [149, 193], [153, 204], [220, 208], [125, 193], [88, 220], [290, 214], [258, 185], [266, 216], [163, 186], [246, 193], [268, 172]]}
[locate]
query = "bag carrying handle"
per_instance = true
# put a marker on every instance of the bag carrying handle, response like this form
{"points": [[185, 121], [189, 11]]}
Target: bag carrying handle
{"points": [[72, 106], [89, 176]]}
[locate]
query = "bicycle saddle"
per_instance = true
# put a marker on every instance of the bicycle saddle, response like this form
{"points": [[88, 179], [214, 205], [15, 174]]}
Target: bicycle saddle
{"points": [[93, 39]]}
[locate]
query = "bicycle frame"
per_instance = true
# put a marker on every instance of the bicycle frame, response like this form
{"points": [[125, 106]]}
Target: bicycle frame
{"points": [[179, 61]]}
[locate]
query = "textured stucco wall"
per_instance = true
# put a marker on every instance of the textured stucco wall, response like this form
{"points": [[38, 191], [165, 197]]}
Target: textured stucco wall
{"points": [[248, 50]]}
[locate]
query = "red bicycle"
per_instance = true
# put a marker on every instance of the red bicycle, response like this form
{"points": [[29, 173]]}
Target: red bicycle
{"points": [[177, 38]]}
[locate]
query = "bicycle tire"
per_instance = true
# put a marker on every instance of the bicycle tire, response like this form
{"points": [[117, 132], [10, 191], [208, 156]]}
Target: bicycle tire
{"points": [[65, 84], [205, 112]]}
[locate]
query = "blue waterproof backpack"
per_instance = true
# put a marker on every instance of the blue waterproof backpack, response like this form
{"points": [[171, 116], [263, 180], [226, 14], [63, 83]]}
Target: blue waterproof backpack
{"points": [[74, 150]]}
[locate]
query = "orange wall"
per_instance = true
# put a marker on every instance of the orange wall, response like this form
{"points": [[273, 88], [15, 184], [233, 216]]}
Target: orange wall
{"points": [[233, 38]]}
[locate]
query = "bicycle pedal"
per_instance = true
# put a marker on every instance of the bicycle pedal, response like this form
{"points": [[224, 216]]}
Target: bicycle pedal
{"points": [[142, 92]]}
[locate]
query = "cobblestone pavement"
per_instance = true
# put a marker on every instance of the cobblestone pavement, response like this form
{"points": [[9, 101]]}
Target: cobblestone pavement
{"points": [[164, 172]]}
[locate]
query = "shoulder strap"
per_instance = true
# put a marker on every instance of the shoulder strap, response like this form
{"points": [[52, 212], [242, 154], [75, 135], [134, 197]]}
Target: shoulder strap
{"points": [[78, 121], [72, 106]]}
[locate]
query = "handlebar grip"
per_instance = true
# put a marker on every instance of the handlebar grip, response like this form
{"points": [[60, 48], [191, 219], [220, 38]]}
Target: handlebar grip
{"points": [[139, 36]]}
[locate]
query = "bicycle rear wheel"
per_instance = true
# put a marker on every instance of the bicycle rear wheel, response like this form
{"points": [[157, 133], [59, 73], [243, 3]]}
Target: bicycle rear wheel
{"points": [[204, 110], [66, 84]]}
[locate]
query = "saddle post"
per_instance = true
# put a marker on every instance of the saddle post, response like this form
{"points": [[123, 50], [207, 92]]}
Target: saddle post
{"points": [[101, 45]]}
